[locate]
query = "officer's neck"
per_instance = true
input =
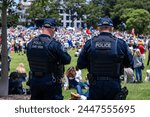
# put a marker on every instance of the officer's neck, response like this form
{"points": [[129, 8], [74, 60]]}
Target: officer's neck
{"points": [[47, 33], [106, 31]]}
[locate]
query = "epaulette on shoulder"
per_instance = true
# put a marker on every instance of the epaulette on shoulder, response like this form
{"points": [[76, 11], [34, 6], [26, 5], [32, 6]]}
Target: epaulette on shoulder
{"points": [[112, 36], [55, 41], [34, 38], [94, 37], [121, 39]]}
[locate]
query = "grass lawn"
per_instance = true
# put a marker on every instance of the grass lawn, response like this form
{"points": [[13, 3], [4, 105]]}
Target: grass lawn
{"points": [[140, 91]]}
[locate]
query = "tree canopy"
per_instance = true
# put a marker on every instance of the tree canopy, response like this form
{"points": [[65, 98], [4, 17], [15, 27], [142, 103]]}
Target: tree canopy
{"points": [[43, 9], [131, 12]]}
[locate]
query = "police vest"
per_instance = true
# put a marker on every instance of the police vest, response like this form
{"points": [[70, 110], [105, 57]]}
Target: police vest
{"points": [[40, 57], [104, 58]]}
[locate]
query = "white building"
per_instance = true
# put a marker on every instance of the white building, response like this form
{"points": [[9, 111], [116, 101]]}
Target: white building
{"points": [[66, 19]]}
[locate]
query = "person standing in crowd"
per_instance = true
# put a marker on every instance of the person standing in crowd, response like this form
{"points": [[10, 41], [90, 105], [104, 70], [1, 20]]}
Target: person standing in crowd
{"points": [[103, 56], [47, 58], [142, 49], [138, 61], [148, 47]]}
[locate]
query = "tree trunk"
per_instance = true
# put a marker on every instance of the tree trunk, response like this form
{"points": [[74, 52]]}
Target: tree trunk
{"points": [[4, 52]]}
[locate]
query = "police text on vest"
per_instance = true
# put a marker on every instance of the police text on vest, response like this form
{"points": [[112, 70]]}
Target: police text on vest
{"points": [[103, 45]]}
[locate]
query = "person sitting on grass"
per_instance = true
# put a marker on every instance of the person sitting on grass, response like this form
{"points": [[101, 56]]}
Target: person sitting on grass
{"points": [[72, 82], [21, 72], [78, 78], [128, 75], [80, 95], [15, 84], [147, 78]]}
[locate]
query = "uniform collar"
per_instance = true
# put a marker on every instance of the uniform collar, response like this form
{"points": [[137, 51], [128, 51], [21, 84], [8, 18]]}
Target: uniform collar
{"points": [[44, 35], [106, 33]]}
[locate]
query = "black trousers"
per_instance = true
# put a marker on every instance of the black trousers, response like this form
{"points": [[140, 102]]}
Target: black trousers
{"points": [[44, 89], [46, 92], [104, 90]]}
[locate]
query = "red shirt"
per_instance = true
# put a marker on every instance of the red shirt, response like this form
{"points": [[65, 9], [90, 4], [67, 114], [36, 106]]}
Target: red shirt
{"points": [[141, 48]]}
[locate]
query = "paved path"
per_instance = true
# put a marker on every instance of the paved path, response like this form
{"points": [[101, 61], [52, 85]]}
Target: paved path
{"points": [[15, 97]]}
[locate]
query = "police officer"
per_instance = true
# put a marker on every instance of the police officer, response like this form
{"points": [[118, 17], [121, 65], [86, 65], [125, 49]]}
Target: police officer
{"points": [[103, 56], [47, 58]]}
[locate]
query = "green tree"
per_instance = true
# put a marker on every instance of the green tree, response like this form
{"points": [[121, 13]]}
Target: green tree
{"points": [[121, 5], [99, 8], [43, 9], [5, 4], [138, 19], [93, 12], [107, 6], [12, 18]]}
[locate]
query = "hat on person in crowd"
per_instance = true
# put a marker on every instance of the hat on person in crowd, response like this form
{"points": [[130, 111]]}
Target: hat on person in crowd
{"points": [[49, 23], [140, 43], [105, 22]]}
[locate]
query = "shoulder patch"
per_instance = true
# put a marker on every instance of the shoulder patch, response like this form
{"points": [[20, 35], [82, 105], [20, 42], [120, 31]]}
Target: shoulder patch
{"points": [[37, 44]]}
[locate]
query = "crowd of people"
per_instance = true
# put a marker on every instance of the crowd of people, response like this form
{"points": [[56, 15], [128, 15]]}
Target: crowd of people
{"points": [[19, 37], [70, 37]]}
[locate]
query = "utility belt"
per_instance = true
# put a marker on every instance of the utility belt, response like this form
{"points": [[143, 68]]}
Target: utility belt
{"points": [[96, 77], [40, 75]]}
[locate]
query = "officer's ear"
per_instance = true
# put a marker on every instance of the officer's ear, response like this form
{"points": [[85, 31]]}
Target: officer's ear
{"points": [[53, 29], [112, 29]]}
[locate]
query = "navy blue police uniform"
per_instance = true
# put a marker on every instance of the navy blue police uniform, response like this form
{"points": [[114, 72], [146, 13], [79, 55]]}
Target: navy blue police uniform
{"points": [[103, 56], [47, 58]]}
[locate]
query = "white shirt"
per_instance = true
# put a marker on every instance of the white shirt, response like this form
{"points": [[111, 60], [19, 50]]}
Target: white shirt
{"points": [[78, 76]]}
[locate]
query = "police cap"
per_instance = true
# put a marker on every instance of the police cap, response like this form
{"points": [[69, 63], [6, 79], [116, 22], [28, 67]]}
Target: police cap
{"points": [[105, 22], [49, 23]]}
